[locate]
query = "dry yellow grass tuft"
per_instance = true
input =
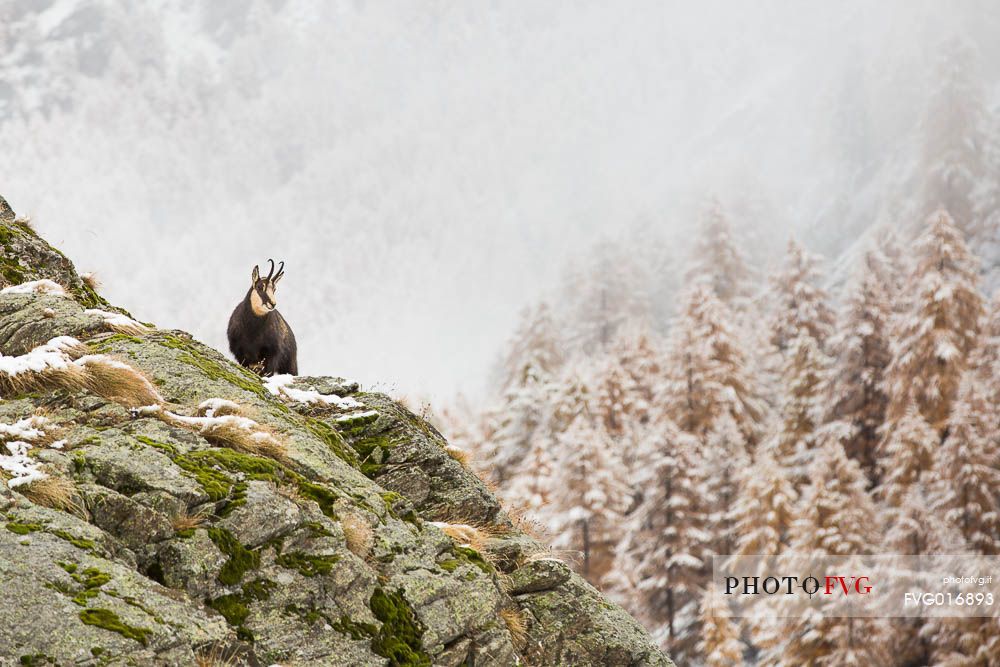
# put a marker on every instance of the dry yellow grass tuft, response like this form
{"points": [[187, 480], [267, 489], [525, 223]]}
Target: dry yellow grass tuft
{"points": [[56, 493], [517, 625], [486, 477], [464, 534], [118, 382], [91, 280], [524, 522], [234, 436], [459, 454], [233, 431], [70, 377], [217, 656], [221, 408], [358, 534], [569, 557], [129, 328], [187, 520], [25, 222]]}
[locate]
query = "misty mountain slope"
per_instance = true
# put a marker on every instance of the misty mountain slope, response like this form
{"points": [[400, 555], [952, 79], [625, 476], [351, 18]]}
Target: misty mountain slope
{"points": [[429, 170], [160, 503]]}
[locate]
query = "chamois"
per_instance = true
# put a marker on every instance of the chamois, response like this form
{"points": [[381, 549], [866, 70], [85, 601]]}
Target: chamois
{"points": [[259, 337]]}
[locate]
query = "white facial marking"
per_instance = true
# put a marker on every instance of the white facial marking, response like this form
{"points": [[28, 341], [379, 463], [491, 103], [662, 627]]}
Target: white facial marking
{"points": [[257, 304]]}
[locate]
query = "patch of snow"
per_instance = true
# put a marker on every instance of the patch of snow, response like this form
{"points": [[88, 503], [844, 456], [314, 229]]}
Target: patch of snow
{"points": [[51, 356], [118, 321], [278, 385], [213, 405], [22, 435], [44, 286]]}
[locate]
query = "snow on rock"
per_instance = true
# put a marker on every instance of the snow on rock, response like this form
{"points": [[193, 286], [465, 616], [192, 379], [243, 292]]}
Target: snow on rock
{"points": [[279, 385], [29, 429], [119, 322], [51, 356], [19, 438], [211, 406], [356, 415], [209, 423], [43, 286]]}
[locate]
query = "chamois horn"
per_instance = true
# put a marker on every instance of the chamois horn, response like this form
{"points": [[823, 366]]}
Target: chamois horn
{"points": [[271, 262]]}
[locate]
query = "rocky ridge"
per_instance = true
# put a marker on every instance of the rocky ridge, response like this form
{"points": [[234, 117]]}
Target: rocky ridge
{"points": [[170, 535]]}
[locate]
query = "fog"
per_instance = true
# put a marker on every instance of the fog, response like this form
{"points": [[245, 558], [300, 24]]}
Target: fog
{"points": [[425, 169]]}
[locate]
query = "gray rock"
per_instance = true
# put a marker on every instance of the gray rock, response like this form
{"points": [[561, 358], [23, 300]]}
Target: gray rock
{"points": [[135, 525], [263, 516], [192, 563], [539, 575]]}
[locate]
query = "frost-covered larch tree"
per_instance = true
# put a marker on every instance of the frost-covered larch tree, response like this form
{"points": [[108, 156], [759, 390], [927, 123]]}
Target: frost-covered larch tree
{"points": [[834, 516], [861, 353], [603, 293], [720, 644], [967, 465], [803, 404], [915, 529], [533, 359], [967, 470], [955, 129], [663, 554], [719, 262], [728, 460], [906, 454], [531, 488], [706, 374], [637, 351], [765, 508], [799, 301], [938, 330], [535, 350], [511, 427], [589, 491], [625, 380]]}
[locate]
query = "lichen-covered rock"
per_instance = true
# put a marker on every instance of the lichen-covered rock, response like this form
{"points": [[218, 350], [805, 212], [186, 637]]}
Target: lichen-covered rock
{"points": [[168, 542]]}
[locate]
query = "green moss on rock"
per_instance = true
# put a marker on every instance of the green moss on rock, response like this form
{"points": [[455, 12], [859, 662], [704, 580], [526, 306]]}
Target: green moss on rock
{"points": [[78, 542], [109, 620], [308, 565], [333, 440], [400, 638], [235, 608], [234, 375], [475, 558], [92, 580], [241, 560], [23, 528]]}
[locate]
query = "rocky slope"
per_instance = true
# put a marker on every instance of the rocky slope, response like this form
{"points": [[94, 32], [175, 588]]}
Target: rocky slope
{"points": [[302, 530]]}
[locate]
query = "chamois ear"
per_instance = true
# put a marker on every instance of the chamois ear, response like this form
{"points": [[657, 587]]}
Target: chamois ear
{"points": [[256, 275]]}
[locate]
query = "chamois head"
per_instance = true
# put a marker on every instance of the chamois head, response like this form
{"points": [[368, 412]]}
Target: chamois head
{"points": [[262, 298]]}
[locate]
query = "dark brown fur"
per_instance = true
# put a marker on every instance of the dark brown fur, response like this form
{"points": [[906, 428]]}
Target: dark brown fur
{"points": [[263, 343]]}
